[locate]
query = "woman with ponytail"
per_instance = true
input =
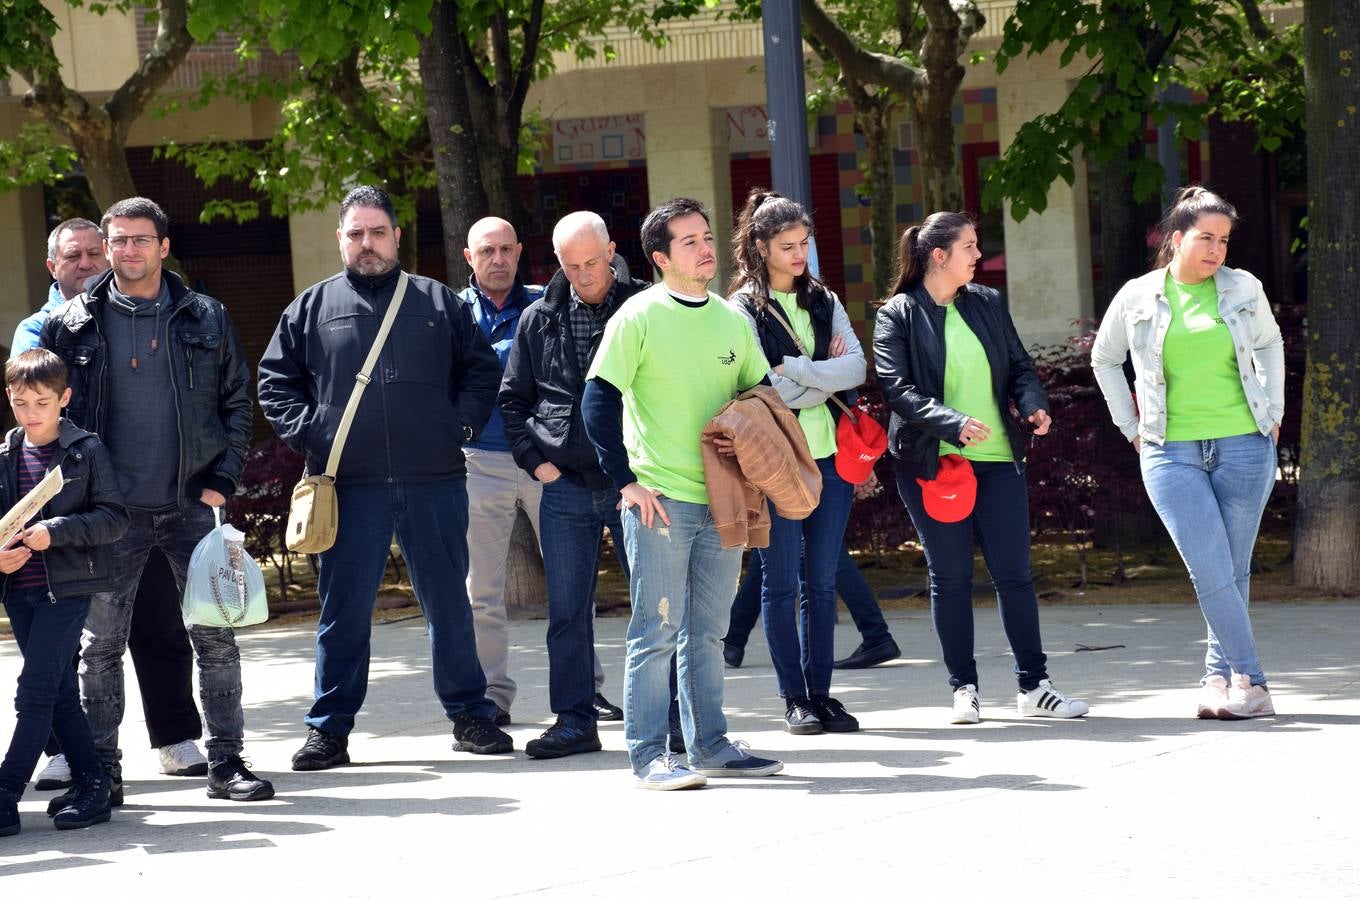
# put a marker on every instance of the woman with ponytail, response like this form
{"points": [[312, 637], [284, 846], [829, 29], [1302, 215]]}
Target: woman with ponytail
{"points": [[950, 366], [1208, 364], [813, 355]]}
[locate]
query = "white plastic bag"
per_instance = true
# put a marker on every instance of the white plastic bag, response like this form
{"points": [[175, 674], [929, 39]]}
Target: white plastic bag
{"points": [[224, 587]]}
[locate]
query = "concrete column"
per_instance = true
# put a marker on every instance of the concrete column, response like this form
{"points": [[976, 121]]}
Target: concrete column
{"points": [[687, 156], [316, 253], [23, 233], [1048, 255]]}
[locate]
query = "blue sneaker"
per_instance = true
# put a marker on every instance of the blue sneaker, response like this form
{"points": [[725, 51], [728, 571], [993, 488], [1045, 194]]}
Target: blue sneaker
{"points": [[734, 762], [666, 773]]}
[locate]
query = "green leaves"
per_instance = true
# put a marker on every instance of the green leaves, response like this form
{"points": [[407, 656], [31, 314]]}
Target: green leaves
{"points": [[35, 156]]}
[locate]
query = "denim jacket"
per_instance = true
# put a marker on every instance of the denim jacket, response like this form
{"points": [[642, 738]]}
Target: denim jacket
{"points": [[1136, 324]]}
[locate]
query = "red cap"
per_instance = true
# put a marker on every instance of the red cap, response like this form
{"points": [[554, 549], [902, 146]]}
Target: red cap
{"points": [[860, 441], [950, 496]]}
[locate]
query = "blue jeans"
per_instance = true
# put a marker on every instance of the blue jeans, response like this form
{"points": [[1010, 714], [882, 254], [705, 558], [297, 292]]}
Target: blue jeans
{"points": [[1210, 495], [430, 519], [804, 554], [850, 584], [1000, 521], [176, 533], [571, 518], [47, 700], [682, 582]]}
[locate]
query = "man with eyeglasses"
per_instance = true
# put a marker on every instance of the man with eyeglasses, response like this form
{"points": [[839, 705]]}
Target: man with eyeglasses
{"points": [[160, 648], [540, 402], [157, 370]]}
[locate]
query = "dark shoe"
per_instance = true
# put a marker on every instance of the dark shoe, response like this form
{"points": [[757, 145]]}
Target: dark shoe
{"points": [[606, 711], [866, 657], [61, 801], [321, 750], [563, 740], [800, 717], [833, 715], [229, 779], [502, 719], [479, 736], [733, 655], [89, 806], [9, 814]]}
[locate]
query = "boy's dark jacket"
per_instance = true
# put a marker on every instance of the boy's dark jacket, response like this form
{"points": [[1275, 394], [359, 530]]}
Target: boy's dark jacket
{"points": [[83, 519]]}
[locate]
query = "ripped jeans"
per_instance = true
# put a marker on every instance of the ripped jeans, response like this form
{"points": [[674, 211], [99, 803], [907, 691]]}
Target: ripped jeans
{"points": [[682, 584], [102, 645]]}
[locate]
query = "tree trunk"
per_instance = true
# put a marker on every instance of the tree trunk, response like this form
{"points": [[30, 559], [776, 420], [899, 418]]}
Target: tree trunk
{"points": [[932, 114], [103, 158], [872, 116], [1123, 226], [1328, 525], [462, 199]]}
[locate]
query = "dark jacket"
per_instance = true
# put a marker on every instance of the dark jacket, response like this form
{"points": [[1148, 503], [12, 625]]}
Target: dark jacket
{"points": [[207, 368], [909, 361], [431, 390], [82, 520], [540, 397]]}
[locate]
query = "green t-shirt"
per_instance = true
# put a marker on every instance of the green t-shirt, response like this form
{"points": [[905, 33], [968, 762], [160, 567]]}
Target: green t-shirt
{"points": [[818, 425], [968, 389], [1204, 396], [675, 365]]}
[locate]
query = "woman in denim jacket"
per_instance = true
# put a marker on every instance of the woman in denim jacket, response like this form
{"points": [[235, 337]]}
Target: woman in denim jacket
{"points": [[1208, 365]]}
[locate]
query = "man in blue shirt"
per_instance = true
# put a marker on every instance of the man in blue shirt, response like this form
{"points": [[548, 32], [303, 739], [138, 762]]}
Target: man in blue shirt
{"points": [[75, 252], [497, 488]]}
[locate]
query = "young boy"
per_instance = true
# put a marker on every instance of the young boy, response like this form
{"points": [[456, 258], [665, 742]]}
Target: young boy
{"points": [[47, 573]]}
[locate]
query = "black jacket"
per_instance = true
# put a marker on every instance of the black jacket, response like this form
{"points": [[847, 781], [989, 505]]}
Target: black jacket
{"points": [[431, 390], [909, 361], [540, 397], [82, 520], [207, 368]]}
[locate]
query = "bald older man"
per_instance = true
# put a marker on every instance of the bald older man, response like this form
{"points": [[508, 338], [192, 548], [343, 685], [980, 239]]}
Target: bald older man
{"points": [[540, 400], [497, 488]]}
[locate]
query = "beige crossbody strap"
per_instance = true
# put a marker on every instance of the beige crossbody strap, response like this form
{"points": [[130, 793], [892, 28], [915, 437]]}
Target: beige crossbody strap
{"points": [[773, 306], [361, 380]]}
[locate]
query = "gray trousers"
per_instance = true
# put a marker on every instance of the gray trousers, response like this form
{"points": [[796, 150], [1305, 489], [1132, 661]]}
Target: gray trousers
{"points": [[497, 488]]}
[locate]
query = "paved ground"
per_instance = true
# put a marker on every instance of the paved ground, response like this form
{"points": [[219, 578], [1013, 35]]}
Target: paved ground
{"points": [[1140, 799]]}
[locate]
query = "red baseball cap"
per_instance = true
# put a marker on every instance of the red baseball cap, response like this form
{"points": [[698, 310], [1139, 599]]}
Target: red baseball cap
{"points": [[950, 496]]}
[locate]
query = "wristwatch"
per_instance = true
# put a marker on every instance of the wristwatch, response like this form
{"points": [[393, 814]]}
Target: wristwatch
{"points": [[467, 433]]}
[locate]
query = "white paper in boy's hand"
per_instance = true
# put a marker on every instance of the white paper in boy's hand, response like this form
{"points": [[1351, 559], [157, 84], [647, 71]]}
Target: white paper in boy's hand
{"points": [[22, 512]]}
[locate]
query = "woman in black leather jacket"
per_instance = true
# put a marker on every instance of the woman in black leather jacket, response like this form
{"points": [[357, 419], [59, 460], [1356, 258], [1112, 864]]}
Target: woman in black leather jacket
{"points": [[950, 366]]}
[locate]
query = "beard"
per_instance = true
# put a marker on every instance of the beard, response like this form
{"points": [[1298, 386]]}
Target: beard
{"points": [[373, 264]]}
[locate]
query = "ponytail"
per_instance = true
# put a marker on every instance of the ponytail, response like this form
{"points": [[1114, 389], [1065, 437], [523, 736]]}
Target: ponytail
{"points": [[939, 231]]}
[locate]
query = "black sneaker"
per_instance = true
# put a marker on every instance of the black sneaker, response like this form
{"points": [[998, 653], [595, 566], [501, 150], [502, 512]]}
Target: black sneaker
{"points": [[563, 740], [229, 779], [321, 750], [866, 657], [833, 715], [502, 719], [800, 717], [9, 814], [606, 711], [733, 655], [61, 801], [89, 806], [472, 735]]}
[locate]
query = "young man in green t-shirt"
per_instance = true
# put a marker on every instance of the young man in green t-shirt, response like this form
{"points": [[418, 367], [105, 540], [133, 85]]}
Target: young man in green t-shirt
{"points": [[670, 358]]}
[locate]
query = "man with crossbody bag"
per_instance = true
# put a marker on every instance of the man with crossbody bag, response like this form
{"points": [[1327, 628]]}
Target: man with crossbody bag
{"points": [[430, 387]]}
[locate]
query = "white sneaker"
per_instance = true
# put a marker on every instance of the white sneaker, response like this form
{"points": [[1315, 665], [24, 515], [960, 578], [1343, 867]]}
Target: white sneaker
{"points": [[667, 773], [967, 710], [1213, 696], [183, 758], [1246, 700], [1046, 700], [55, 775]]}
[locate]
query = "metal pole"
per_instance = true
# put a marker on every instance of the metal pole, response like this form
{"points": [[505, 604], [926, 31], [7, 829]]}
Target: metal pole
{"points": [[786, 103]]}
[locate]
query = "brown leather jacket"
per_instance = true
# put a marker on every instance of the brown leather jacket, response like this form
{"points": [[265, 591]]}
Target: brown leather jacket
{"points": [[772, 461]]}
